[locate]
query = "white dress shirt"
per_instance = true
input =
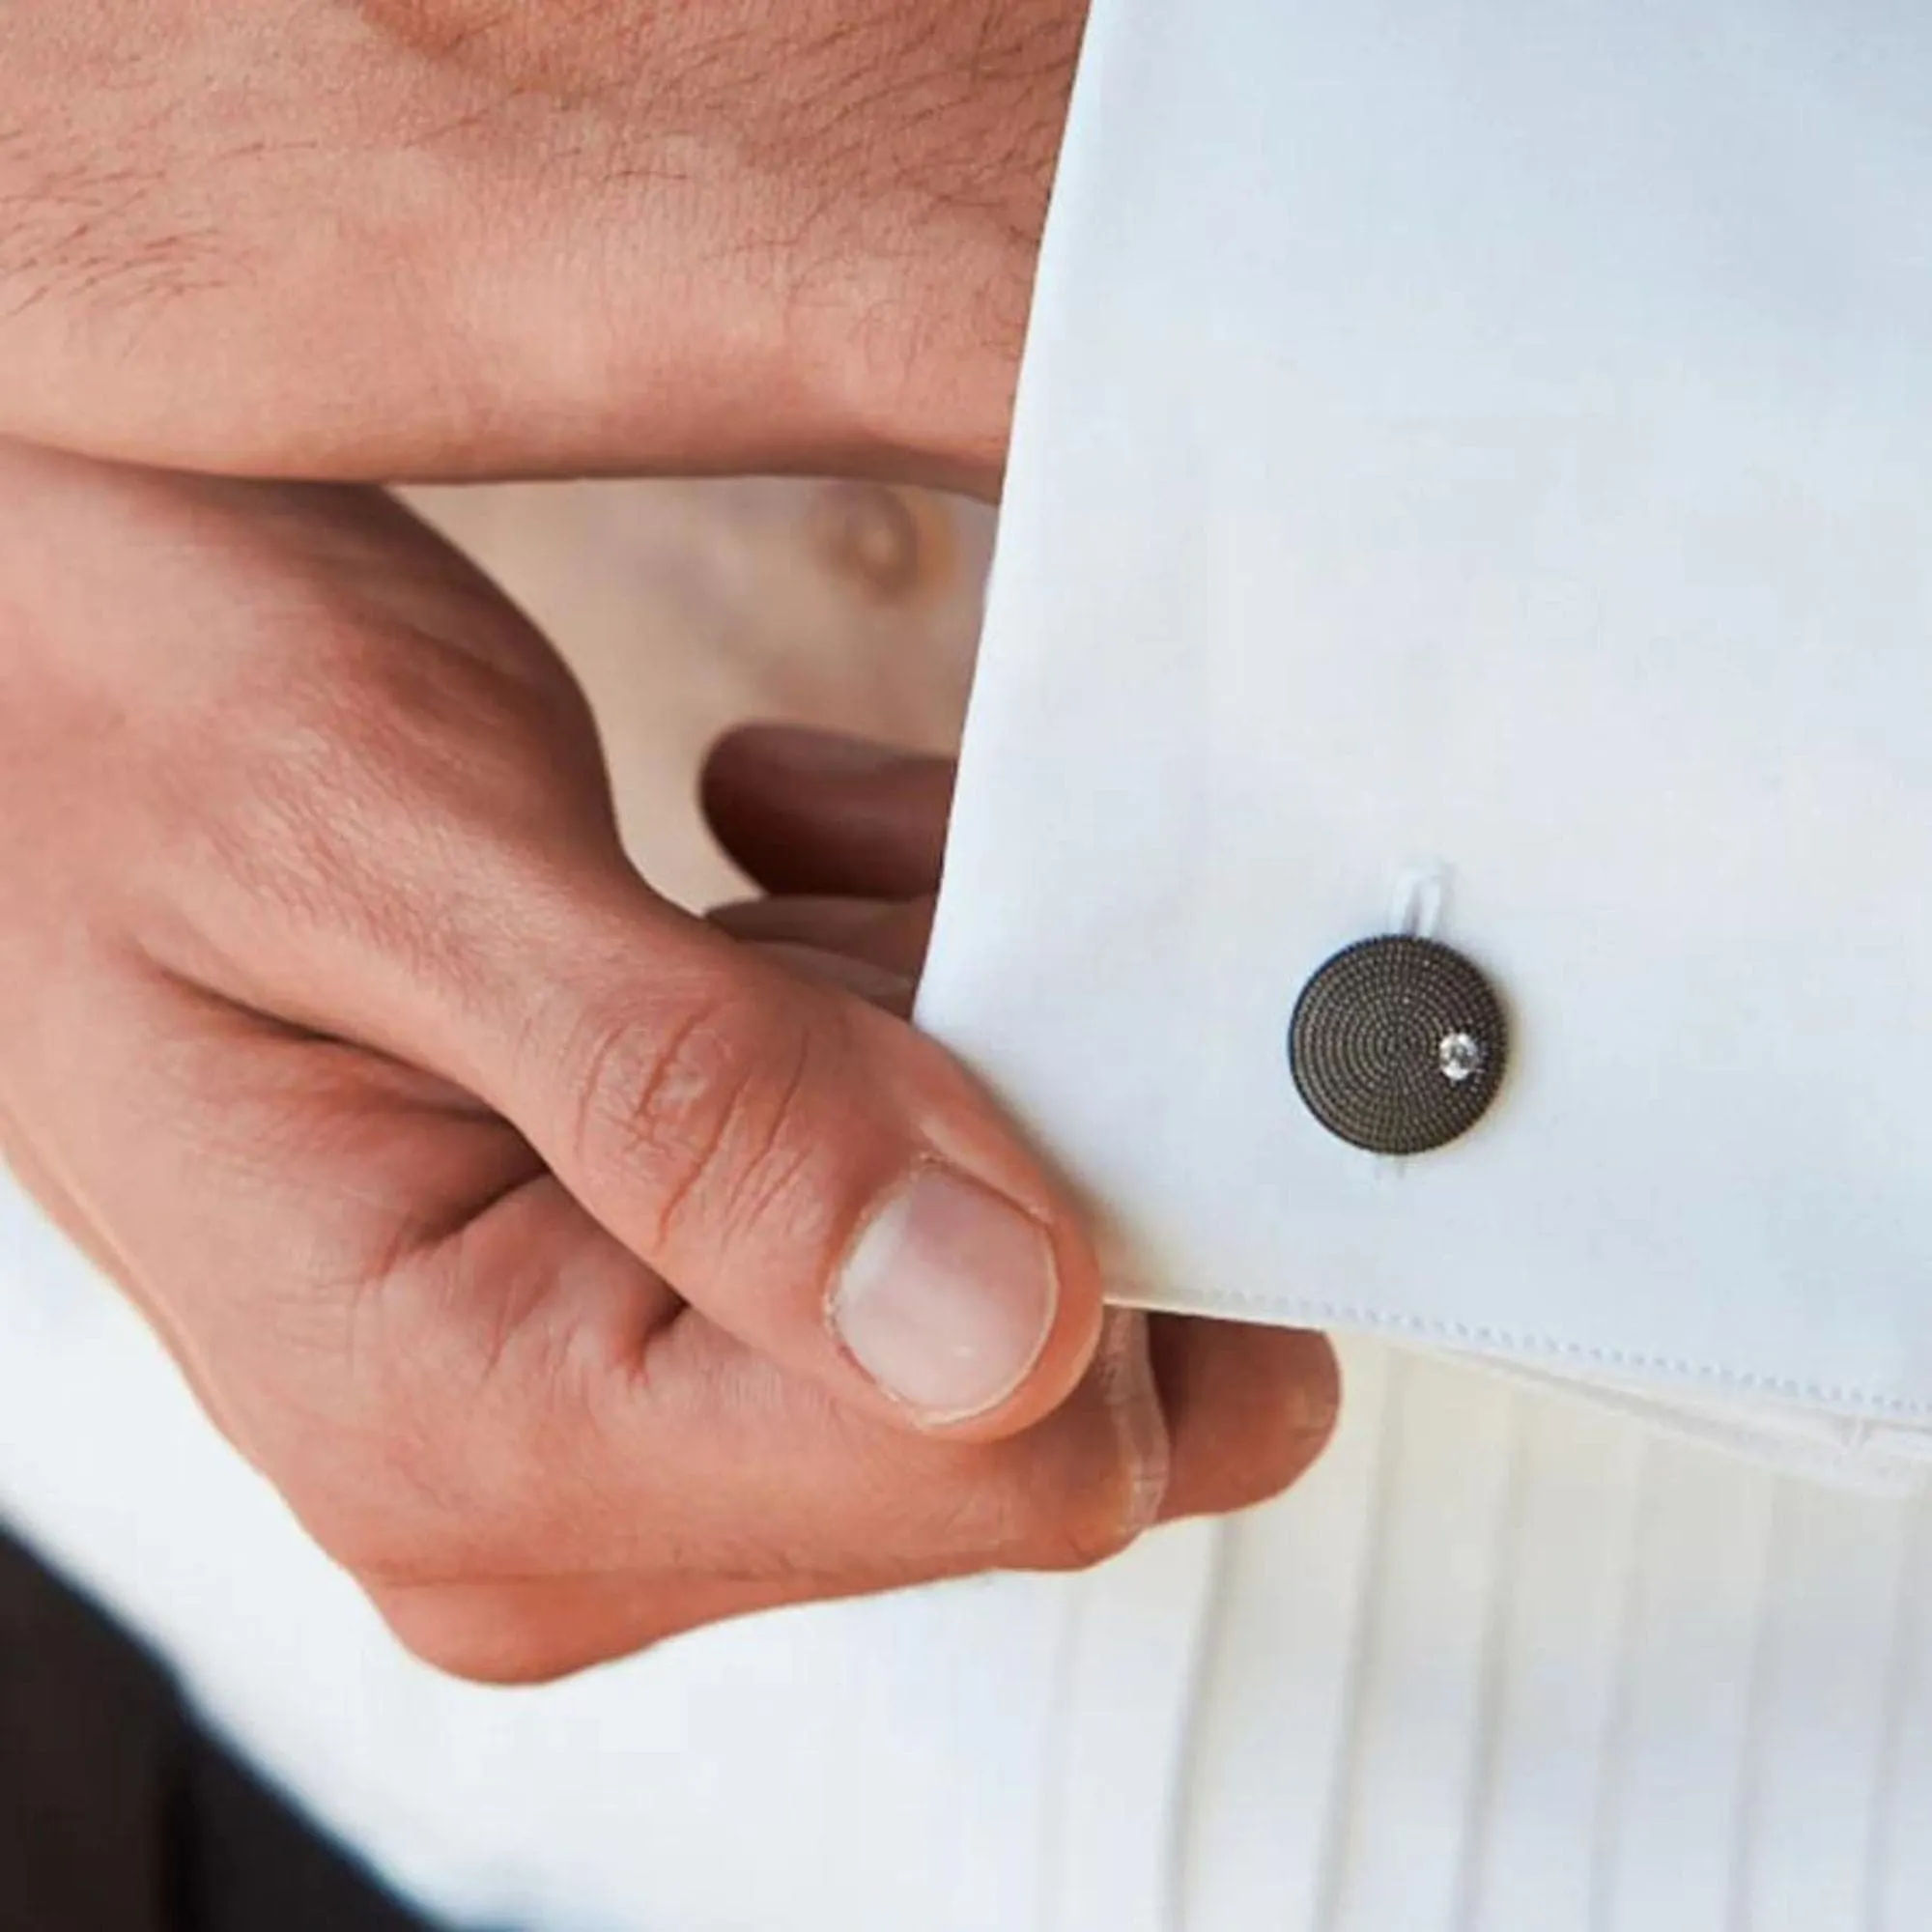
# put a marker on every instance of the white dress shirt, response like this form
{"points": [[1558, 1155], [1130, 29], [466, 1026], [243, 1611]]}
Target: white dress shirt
{"points": [[1460, 444]]}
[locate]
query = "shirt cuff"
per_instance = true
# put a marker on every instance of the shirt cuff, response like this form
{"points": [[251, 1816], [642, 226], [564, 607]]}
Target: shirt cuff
{"points": [[1481, 460]]}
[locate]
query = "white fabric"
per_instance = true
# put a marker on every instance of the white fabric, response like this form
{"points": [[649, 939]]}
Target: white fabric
{"points": [[1495, 448], [1507, 1661]]}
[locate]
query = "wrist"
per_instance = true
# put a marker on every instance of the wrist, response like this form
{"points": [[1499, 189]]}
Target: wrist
{"points": [[833, 274], [909, 290]]}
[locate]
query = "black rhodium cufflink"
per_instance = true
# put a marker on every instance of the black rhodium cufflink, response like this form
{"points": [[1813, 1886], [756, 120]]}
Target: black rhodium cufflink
{"points": [[1398, 1044]]}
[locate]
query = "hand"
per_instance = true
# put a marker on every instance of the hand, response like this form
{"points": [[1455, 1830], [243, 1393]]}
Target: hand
{"points": [[416, 237], [577, 1273], [848, 839]]}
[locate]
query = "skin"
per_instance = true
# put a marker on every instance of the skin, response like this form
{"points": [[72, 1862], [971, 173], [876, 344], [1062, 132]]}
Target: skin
{"points": [[387, 238], [488, 1201]]}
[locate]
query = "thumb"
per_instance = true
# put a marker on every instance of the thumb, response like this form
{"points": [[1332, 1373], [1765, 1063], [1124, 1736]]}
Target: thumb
{"points": [[811, 1174]]}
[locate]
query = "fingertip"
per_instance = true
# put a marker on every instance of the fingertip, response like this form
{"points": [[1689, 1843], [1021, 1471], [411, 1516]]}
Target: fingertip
{"points": [[754, 769], [970, 1310], [816, 811], [1250, 1409]]}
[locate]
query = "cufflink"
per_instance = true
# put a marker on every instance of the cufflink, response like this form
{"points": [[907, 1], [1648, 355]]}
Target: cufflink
{"points": [[1398, 1044]]}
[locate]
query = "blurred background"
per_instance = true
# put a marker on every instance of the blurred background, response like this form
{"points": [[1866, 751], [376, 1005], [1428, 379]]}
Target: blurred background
{"points": [[686, 608]]}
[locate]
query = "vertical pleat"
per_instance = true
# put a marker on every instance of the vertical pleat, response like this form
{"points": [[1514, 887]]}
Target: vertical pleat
{"points": [[1509, 1663], [1415, 1745], [1676, 1760], [1128, 1689], [1899, 1887], [1282, 1664], [1828, 1656], [1562, 1606]]}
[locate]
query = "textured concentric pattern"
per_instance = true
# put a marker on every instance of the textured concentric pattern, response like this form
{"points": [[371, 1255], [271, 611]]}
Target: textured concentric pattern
{"points": [[1398, 1044]]}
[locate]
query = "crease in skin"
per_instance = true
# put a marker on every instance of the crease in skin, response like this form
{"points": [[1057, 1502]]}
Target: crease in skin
{"points": [[1124, 1374]]}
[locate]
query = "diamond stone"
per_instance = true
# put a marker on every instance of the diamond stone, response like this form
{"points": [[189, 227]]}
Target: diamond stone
{"points": [[1459, 1056]]}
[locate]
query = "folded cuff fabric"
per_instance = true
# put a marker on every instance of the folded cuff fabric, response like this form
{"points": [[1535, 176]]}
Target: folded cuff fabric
{"points": [[1485, 456]]}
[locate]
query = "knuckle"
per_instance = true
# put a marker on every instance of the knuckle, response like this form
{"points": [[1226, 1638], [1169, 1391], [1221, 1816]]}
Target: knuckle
{"points": [[515, 1633], [477, 1641], [700, 1116]]}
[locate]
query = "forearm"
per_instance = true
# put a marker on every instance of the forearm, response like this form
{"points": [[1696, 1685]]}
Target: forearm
{"points": [[442, 241]]}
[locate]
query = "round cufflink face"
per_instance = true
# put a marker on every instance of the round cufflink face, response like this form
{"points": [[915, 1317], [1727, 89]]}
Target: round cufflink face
{"points": [[1398, 1044]]}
